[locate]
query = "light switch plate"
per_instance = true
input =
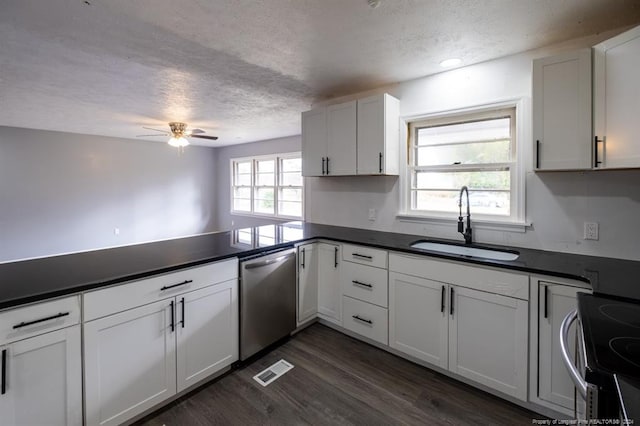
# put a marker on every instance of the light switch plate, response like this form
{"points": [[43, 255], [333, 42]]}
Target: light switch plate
{"points": [[372, 214]]}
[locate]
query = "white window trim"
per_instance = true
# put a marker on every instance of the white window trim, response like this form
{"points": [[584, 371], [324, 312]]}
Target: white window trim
{"points": [[277, 158], [518, 223]]}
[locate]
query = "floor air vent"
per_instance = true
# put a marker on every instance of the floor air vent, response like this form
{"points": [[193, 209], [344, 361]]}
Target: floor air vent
{"points": [[272, 373]]}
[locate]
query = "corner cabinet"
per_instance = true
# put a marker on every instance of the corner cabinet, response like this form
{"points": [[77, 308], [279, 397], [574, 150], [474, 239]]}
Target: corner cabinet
{"points": [[319, 292], [41, 364], [146, 341], [551, 385], [562, 111], [616, 101], [468, 320], [356, 137]]}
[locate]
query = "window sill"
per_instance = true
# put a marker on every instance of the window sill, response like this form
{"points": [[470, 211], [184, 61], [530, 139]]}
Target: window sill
{"points": [[264, 216], [480, 223]]}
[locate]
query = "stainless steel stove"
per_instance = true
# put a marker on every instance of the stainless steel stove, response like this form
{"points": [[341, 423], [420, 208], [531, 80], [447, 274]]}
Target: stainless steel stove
{"points": [[608, 345]]}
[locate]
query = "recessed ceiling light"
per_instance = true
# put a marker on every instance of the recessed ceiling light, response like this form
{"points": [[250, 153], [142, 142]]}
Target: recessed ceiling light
{"points": [[448, 63]]}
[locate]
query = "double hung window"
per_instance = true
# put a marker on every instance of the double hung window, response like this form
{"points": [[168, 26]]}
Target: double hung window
{"points": [[267, 186], [477, 150]]}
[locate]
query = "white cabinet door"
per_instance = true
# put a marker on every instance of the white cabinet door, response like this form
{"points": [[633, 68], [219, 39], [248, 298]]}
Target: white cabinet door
{"points": [[554, 384], [314, 142], [378, 135], [562, 111], [341, 139], [130, 363], [207, 332], [329, 286], [307, 282], [418, 318], [616, 100], [488, 339], [43, 380]]}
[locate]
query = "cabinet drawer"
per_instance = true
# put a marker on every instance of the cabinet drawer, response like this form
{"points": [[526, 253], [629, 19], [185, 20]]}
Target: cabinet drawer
{"points": [[32, 320], [129, 295], [365, 283], [476, 277], [364, 255], [366, 319]]}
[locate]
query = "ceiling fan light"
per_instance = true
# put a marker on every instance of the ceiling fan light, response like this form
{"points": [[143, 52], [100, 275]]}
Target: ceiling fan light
{"points": [[178, 142]]}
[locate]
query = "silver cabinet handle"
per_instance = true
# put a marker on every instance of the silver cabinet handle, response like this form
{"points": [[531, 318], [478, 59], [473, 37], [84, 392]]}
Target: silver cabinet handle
{"points": [[580, 383]]}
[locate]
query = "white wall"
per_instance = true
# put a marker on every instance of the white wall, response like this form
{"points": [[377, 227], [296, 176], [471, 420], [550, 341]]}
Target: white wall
{"points": [[557, 204], [226, 220], [63, 192]]}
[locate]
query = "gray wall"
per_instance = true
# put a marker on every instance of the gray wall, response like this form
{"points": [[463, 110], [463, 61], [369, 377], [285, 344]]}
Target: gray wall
{"points": [[274, 146], [62, 192]]}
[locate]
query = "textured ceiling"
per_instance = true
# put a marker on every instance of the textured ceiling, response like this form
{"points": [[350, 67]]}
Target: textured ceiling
{"points": [[245, 69]]}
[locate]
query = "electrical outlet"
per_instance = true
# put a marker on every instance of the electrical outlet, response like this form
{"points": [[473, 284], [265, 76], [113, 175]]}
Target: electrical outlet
{"points": [[372, 214], [116, 231], [590, 230]]}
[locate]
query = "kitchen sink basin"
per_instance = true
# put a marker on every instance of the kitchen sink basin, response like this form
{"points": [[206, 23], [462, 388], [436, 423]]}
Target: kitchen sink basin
{"points": [[485, 253]]}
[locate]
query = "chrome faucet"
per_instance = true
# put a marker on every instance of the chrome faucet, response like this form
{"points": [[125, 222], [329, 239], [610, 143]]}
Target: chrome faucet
{"points": [[465, 232]]}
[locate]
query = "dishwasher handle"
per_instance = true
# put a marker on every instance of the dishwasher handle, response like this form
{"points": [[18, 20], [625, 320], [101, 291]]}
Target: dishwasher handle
{"points": [[580, 383], [266, 262]]}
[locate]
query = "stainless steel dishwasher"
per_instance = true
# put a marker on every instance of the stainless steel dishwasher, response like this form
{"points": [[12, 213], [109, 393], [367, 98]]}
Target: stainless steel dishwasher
{"points": [[267, 300]]}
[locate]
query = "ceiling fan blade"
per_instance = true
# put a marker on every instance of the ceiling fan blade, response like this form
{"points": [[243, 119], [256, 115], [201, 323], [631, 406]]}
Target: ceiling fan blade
{"points": [[156, 130], [213, 138], [144, 136], [196, 131]]}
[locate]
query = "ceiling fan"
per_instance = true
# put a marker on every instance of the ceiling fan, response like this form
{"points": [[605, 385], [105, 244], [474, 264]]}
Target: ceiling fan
{"points": [[178, 131]]}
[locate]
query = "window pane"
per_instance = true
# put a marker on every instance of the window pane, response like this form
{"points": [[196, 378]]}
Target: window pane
{"points": [[242, 193], [263, 201], [267, 166], [265, 179], [243, 167], [290, 208], [242, 205], [480, 202], [468, 153], [291, 165], [291, 179], [243, 180], [291, 194], [496, 180], [492, 129]]}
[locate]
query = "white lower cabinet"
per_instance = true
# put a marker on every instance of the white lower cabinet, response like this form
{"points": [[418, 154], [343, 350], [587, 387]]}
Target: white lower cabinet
{"points": [[488, 336], [207, 332], [43, 380], [137, 358], [307, 282], [129, 363], [329, 288], [418, 321], [476, 334], [554, 387], [41, 356]]}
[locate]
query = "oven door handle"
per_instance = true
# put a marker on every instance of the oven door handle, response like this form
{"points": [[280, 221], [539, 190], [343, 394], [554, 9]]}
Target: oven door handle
{"points": [[580, 383]]}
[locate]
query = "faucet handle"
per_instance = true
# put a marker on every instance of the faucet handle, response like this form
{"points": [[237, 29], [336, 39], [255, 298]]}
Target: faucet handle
{"points": [[460, 224]]}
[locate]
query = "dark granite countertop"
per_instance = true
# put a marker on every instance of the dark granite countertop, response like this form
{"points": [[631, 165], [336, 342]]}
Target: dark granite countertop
{"points": [[37, 279]]}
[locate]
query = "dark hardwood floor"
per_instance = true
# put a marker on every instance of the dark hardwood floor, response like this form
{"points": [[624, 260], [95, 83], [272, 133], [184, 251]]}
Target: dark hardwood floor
{"points": [[338, 380]]}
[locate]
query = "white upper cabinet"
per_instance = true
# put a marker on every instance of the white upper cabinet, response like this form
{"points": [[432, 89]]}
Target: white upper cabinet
{"points": [[314, 142], [378, 135], [617, 101], [356, 137], [341, 139], [562, 111]]}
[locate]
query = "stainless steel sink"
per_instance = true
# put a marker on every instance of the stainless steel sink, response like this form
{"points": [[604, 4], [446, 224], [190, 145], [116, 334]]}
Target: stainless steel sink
{"points": [[485, 253]]}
